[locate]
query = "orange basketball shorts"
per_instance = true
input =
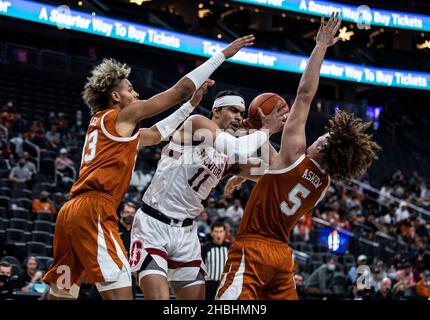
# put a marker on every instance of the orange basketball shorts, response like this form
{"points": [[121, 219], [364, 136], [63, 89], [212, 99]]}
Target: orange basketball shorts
{"points": [[258, 269], [87, 242]]}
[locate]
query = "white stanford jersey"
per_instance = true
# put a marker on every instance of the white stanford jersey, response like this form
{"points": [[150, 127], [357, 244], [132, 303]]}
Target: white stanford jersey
{"points": [[185, 176]]}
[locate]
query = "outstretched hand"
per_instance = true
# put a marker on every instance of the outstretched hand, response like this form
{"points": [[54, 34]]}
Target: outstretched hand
{"points": [[238, 44], [327, 33], [198, 94], [275, 120], [234, 183]]}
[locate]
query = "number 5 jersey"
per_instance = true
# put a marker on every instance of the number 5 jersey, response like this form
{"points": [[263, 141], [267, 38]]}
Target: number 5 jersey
{"points": [[281, 197]]}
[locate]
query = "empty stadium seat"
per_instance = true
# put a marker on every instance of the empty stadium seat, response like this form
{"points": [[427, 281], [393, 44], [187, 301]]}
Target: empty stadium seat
{"points": [[16, 242], [3, 213], [42, 225], [24, 203], [305, 247], [21, 224], [44, 262], [5, 191], [320, 248], [4, 223], [22, 193], [4, 201], [41, 236], [20, 214], [45, 216], [35, 248]]}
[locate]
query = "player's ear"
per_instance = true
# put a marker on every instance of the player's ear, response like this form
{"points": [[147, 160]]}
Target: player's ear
{"points": [[216, 112], [115, 96]]}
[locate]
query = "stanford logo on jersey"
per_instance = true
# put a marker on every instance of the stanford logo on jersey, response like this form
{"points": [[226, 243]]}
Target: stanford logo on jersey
{"points": [[135, 252]]}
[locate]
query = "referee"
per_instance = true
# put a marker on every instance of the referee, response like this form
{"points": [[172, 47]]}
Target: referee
{"points": [[214, 254]]}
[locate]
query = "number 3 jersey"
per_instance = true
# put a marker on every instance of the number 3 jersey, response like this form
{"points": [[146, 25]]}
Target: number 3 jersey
{"points": [[281, 197], [185, 176], [107, 158]]}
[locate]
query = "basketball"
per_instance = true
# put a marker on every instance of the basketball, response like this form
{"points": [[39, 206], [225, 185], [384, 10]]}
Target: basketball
{"points": [[265, 101]]}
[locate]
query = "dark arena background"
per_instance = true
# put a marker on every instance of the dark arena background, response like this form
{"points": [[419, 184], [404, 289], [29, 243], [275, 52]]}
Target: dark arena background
{"points": [[375, 229]]}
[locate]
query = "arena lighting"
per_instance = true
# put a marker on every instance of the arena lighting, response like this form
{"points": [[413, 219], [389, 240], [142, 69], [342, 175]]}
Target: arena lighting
{"points": [[80, 3], [139, 2], [345, 35], [424, 45], [203, 13], [363, 14], [180, 42]]}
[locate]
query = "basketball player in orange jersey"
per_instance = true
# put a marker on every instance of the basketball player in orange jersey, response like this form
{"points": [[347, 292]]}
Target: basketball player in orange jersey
{"points": [[87, 240], [260, 263]]}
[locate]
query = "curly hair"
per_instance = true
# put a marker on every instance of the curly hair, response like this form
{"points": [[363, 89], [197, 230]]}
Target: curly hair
{"points": [[349, 151], [104, 77]]}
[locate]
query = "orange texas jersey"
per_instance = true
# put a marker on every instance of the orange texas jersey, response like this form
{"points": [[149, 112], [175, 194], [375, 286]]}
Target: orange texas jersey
{"points": [[281, 197], [107, 158]]}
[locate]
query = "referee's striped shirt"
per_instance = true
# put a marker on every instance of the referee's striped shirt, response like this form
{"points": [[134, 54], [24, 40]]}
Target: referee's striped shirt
{"points": [[215, 257]]}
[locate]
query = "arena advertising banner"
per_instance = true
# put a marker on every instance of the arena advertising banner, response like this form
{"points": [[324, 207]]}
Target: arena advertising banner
{"points": [[63, 17], [363, 15]]}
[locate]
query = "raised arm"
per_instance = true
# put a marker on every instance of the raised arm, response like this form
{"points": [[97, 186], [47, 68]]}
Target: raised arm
{"points": [[166, 127], [293, 143], [132, 114]]}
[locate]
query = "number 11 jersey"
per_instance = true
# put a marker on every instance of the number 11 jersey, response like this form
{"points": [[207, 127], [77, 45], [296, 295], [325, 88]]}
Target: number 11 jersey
{"points": [[185, 176], [281, 197]]}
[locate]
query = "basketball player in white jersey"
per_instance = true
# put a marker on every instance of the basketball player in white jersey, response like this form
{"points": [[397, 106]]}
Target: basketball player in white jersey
{"points": [[164, 243]]}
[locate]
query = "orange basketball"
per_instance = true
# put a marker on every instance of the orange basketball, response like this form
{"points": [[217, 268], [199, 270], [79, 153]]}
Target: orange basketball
{"points": [[265, 101]]}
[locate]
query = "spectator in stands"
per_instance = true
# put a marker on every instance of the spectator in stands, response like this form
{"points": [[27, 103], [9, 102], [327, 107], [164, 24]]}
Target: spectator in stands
{"points": [[16, 144], [6, 286], [423, 286], [62, 124], [402, 212], [203, 225], [398, 290], [378, 274], [36, 134], [384, 290], [18, 125], [320, 281], [50, 120], [62, 162], [228, 231], [140, 179], [302, 228], [352, 273], [214, 255], [385, 194], [299, 280], [43, 204], [58, 200], [53, 137], [211, 210], [30, 275], [406, 276], [29, 164], [235, 212], [222, 206], [389, 217], [20, 174], [126, 222]]}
